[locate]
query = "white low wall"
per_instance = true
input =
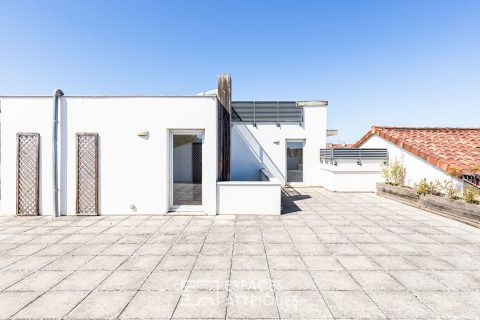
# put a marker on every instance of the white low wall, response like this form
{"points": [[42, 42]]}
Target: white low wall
{"points": [[349, 177], [249, 197]]}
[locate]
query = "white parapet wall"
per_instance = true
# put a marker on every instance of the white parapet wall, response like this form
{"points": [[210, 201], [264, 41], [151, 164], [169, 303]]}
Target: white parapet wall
{"points": [[347, 176], [249, 197]]}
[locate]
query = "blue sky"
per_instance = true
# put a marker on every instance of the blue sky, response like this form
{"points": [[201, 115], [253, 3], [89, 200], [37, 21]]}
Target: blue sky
{"points": [[405, 63]]}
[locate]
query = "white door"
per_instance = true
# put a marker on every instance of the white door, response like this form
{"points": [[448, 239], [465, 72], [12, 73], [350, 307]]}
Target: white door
{"points": [[186, 170]]}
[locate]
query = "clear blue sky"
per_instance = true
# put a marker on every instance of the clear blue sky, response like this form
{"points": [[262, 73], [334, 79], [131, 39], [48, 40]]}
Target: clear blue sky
{"points": [[406, 63]]}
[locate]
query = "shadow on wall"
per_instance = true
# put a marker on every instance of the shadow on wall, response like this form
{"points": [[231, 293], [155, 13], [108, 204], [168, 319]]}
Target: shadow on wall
{"points": [[248, 156]]}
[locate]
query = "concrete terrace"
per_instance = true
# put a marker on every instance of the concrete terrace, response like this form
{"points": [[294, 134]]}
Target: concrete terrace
{"points": [[342, 256]]}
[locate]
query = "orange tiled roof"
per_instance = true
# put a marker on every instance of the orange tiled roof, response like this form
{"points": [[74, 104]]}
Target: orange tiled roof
{"points": [[445, 148]]}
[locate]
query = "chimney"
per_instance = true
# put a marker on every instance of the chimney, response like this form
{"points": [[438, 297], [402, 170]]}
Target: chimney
{"points": [[224, 97], [225, 91]]}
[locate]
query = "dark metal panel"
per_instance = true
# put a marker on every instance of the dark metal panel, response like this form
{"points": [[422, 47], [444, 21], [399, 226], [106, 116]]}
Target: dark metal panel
{"points": [[267, 111]]}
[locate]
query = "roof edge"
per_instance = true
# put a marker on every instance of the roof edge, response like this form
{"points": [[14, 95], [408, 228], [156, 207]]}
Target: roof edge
{"points": [[443, 165]]}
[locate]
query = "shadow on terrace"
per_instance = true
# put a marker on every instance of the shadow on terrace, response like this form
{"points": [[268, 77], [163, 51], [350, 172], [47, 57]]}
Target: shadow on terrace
{"points": [[289, 196]]}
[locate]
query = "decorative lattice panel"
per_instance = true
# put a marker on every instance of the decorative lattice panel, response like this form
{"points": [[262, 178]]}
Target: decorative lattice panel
{"points": [[87, 173], [28, 155], [197, 162]]}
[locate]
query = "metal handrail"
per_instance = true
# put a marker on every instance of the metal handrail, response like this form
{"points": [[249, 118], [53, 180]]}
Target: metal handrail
{"points": [[332, 155]]}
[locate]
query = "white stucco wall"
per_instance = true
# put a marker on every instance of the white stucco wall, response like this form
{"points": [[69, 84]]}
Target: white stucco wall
{"points": [[265, 146], [348, 176], [249, 197], [25, 115], [133, 170], [416, 167]]}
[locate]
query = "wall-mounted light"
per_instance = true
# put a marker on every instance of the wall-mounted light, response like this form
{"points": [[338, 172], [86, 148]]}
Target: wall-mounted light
{"points": [[276, 142], [143, 133]]}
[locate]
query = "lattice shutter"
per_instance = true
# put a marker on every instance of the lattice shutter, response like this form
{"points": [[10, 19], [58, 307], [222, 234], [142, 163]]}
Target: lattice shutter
{"points": [[87, 173], [197, 162], [28, 158]]}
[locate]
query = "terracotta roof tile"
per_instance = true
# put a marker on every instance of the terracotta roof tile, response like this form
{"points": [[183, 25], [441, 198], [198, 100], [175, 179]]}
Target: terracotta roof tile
{"points": [[445, 148]]}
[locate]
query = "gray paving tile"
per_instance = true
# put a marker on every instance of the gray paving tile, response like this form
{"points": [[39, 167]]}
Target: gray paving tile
{"points": [[249, 263], [185, 249], [201, 304], [104, 263], [358, 263], [302, 305], [9, 277], [213, 263], [82, 281], [418, 280], [252, 305], [124, 280], [250, 280], [166, 280], [212, 280], [393, 263], [177, 263], [101, 305], [292, 280], [285, 263], [39, 281], [52, 305], [248, 249], [449, 304], [12, 302], [402, 305], [376, 280], [140, 263], [152, 305], [351, 304], [334, 280], [68, 263]]}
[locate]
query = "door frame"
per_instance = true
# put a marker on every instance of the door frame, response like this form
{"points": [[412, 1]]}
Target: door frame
{"points": [[293, 184], [171, 206]]}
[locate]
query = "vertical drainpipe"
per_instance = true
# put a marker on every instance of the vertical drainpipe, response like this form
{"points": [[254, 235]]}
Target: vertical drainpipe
{"points": [[56, 95]]}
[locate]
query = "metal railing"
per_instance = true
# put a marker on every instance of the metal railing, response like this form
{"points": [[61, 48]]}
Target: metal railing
{"points": [[332, 155], [267, 112], [472, 179]]}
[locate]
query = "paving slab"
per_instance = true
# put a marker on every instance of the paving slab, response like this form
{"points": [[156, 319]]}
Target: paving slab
{"points": [[334, 255]]}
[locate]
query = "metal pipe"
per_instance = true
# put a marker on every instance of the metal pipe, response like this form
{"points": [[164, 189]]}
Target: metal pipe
{"points": [[56, 94]]}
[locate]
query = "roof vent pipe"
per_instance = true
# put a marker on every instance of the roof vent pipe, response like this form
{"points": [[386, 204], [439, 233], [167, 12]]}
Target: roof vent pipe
{"points": [[56, 95]]}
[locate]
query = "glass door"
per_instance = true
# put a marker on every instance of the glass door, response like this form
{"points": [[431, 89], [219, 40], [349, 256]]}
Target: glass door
{"points": [[186, 170], [294, 161]]}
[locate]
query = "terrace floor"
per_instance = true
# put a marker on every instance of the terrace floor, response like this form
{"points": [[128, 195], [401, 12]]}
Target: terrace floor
{"points": [[335, 255]]}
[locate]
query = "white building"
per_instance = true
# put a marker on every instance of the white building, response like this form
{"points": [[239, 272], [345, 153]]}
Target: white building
{"points": [[67, 155]]}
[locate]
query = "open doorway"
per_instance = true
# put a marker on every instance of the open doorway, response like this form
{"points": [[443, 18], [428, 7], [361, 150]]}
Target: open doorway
{"points": [[186, 170]]}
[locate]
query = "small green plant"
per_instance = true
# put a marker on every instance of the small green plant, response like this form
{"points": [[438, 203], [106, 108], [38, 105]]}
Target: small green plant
{"points": [[421, 187], [471, 195], [395, 173], [450, 190], [435, 188], [424, 187]]}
